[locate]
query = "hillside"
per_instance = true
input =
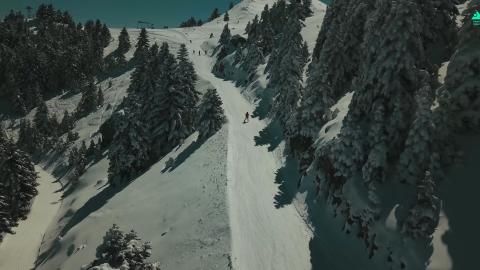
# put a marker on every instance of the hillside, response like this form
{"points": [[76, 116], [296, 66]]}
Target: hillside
{"points": [[333, 170]]}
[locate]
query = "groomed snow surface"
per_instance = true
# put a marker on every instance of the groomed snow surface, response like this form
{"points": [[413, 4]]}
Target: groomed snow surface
{"points": [[19, 251]]}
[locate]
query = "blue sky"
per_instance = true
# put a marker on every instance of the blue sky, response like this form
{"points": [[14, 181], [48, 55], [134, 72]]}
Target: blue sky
{"points": [[118, 13]]}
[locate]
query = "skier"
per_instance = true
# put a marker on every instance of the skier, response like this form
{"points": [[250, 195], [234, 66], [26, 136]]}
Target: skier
{"points": [[193, 52], [211, 35], [246, 118], [199, 52]]}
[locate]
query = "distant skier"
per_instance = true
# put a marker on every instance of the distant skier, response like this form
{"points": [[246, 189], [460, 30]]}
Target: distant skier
{"points": [[193, 52], [190, 41], [211, 35], [199, 52], [205, 52], [246, 118]]}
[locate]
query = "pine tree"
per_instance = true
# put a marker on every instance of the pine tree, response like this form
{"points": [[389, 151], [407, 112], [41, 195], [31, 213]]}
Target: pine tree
{"points": [[100, 99], [17, 186], [334, 64], [462, 84], [424, 215], [215, 14], [230, 6], [286, 75], [88, 103], [68, 122], [129, 154], [123, 42], [418, 150], [187, 78], [165, 110], [27, 137], [72, 136], [226, 17], [91, 148], [368, 149], [225, 36], [42, 123], [211, 116], [120, 250], [141, 51]]}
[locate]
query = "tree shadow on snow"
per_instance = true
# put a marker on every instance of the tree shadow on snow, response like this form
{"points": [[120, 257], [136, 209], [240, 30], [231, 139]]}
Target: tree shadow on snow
{"points": [[263, 107], [271, 135], [287, 177], [459, 194], [184, 155], [93, 204]]}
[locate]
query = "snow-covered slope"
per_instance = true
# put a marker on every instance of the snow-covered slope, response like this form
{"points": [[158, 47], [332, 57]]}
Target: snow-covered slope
{"points": [[216, 208], [18, 251]]}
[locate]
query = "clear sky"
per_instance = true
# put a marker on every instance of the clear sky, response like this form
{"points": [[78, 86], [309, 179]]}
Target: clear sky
{"points": [[119, 13]]}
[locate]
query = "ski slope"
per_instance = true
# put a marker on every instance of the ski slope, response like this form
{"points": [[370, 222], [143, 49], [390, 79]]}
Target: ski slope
{"points": [[216, 210], [263, 237], [19, 251]]}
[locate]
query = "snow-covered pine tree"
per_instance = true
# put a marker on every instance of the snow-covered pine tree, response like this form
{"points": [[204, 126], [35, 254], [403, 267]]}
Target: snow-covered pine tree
{"points": [[83, 149], [124, 251], [462, 80], [165, 119], [226, 17], [211, 116], [307, 8], [68, 122], [17, 185], [215, 14], [225, 36], [72, 136], [100, 98], [424, 215], [123, 42], [91, 148], [73, 157], [27, 137], [416, 156], [141, 51], [367, 151], [89, 101], [187, 77], [286, 76], [382, 107], [334, 64], [439, 30], [129, 154], [41, 120]]}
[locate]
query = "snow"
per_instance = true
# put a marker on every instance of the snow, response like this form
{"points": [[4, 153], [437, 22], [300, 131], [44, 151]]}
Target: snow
{"points": [[391, 221], [332, 128], [260, 231], [215, 209], [19, 251], [440, 259]]}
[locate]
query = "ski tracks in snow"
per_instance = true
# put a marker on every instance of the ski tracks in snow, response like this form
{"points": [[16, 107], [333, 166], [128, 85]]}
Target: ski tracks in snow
{"points": [[263, 237]]}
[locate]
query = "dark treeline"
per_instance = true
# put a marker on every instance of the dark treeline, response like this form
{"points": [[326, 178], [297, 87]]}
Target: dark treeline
{"points": [[47, 54], [18, 182]]}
